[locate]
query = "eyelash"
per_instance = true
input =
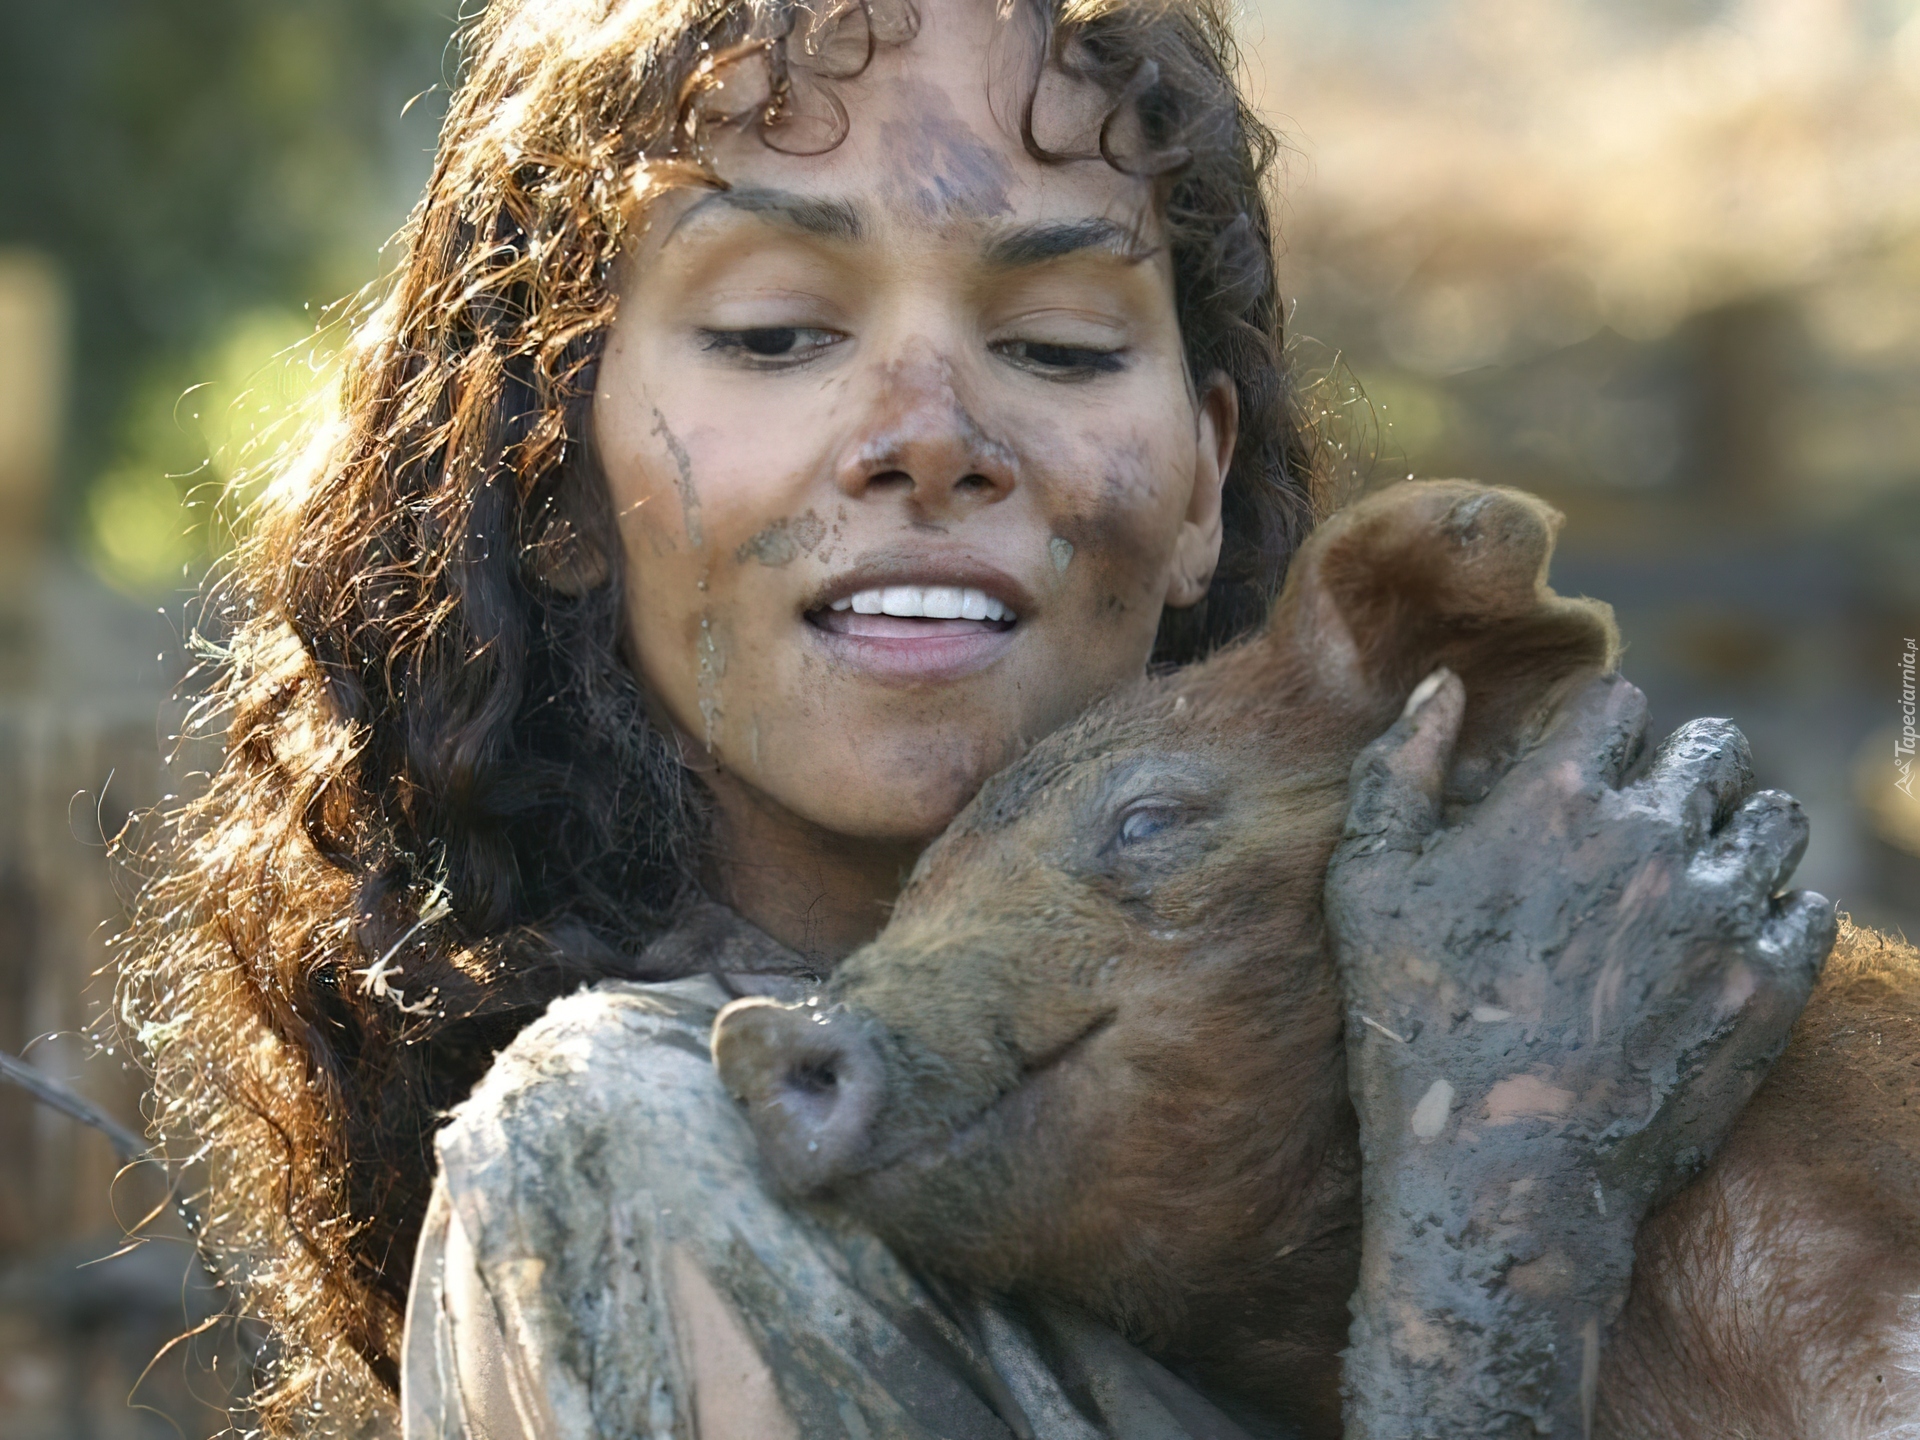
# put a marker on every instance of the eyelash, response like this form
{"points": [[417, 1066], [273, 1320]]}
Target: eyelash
{"points": [[740, 344], [1063, 362]]}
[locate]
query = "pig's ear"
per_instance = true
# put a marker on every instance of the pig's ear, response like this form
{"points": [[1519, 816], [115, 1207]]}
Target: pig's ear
{"points": [[1441, 572]]}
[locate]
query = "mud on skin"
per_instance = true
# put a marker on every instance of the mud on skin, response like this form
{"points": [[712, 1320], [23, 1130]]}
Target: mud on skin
{"points": [[1102, 1051], [939, 347]]}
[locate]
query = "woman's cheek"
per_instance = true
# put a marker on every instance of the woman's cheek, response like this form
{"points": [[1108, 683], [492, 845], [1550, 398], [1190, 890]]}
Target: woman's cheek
{"points": [[1120, 523], [650, 481]]}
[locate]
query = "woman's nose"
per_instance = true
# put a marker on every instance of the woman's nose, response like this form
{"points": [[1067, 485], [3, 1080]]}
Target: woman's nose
{"points": [[920, 442], [812, 1083]]}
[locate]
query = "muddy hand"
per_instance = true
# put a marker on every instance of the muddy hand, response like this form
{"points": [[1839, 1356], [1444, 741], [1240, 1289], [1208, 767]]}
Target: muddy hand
{"points": [[1612, 959], [1557, 1008]]}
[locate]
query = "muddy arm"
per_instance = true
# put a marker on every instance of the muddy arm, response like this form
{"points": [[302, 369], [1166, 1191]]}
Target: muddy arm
{"points": [[1556, 1010]]}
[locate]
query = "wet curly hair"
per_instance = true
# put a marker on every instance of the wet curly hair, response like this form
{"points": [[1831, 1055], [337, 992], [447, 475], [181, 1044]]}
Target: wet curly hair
{"points": [[441, 803]]}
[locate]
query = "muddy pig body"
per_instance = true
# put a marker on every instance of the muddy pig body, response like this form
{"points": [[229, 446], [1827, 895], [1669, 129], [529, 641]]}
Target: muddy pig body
{"points": [[1098, 1054]]}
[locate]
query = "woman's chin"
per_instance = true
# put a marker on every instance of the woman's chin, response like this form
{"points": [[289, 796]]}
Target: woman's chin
{"points": [[903, 786]]}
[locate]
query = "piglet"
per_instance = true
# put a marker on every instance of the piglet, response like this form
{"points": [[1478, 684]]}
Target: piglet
{"points": [[1104, 1052]]}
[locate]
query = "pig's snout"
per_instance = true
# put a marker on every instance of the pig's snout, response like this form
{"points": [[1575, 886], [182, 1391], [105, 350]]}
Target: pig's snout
{"points": [[812, 1082]]}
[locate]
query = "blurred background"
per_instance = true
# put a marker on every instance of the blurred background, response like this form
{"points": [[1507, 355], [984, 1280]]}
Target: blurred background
{"points": [[1658, 260]]}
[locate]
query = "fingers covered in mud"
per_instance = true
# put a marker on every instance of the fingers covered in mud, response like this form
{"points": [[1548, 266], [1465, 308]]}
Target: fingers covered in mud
{"points": [[1599, 738], [1756, 852], [1397, 780], [1800, 935], [1611, 938], [1748, 862], [1702, 773], [1788, 934]]}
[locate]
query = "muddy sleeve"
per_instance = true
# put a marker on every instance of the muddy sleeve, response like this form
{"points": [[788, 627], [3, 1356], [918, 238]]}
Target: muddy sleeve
{"points": [[602, 1258], [455, 1376]]}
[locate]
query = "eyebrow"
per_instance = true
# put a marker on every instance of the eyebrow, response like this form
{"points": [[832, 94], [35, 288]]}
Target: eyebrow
{"points": [[1050, 239], [841, 220], [809, 214]]}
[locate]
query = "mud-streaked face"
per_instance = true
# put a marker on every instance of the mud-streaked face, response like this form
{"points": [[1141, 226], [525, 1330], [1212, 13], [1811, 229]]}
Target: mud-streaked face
{"points": [[901, 441]]}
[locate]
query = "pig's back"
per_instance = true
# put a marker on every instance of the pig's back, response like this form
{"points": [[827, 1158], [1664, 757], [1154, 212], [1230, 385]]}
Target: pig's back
{"points": [[1779, 1294]]}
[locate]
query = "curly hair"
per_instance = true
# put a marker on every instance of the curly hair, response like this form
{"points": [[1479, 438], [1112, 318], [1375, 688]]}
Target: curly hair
{"points": [[441, 802]]}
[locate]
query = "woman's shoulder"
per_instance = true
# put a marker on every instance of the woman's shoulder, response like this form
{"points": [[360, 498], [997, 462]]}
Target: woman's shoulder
{"points": [[561, 1097], [601, 1031], [583, 1063]]}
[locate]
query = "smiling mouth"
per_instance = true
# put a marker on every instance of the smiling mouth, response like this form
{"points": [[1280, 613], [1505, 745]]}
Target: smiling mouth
{"points": [[930, 602], [915, 612], [961, 1136]]}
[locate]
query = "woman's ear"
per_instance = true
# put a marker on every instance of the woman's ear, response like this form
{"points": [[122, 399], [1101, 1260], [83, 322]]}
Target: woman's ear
{"points": [[1197, 551]]}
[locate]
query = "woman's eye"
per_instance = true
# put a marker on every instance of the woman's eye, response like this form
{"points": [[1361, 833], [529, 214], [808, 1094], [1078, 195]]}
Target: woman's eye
{"points": [[1145, 822], [775, 343], [1064, 360]]}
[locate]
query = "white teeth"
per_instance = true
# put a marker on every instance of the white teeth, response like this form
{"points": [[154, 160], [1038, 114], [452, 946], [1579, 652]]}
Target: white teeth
{"points": [[941, 602], [934, 602]]}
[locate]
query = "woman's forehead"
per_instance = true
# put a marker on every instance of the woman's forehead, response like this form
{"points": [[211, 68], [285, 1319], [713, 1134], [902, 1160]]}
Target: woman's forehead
{"points": [[933, 135]]}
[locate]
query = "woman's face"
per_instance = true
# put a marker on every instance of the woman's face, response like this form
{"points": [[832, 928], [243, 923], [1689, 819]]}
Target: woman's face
{"points": [[901, 442]]}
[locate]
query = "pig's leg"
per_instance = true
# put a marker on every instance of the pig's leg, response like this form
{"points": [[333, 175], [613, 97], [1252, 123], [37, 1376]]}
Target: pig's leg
{"points": [[1557, 1009]]}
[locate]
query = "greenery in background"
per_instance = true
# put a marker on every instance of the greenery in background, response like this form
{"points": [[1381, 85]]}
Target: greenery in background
{"points": [[210, 176], [152, 515]]}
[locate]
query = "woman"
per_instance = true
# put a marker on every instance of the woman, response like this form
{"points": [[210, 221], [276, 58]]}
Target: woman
{"points": [[780, 416]]}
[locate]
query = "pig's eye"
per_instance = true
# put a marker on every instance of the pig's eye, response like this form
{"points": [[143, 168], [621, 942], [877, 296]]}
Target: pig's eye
{"points": [[1143, 822]]}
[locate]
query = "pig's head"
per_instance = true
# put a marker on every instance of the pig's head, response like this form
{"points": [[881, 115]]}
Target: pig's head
{"points": [[1096, 1053]]}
